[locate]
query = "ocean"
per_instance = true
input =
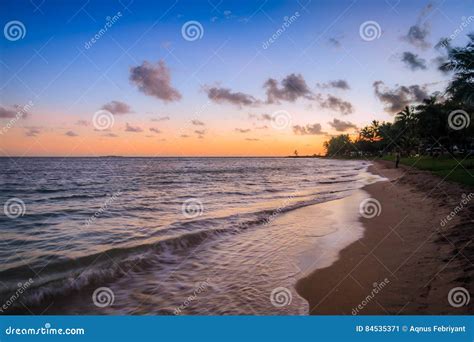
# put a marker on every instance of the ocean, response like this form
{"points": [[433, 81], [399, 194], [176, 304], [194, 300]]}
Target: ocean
{"points": [[171, 236]]}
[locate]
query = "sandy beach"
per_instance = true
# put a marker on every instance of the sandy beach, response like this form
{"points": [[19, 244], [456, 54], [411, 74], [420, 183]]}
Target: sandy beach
{"points": [[407, 261]]}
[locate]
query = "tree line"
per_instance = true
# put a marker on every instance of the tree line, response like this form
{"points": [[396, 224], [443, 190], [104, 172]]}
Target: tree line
{"points": [[439, 124]]}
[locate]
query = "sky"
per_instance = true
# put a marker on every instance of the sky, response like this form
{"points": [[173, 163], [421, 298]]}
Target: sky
{"points": [[213, 78]]}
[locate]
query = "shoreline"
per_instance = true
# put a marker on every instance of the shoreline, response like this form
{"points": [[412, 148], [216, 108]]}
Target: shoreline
{"points": [[406, 262]]}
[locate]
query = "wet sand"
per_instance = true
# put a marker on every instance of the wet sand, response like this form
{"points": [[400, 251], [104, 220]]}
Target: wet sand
{"points": [[407, 261]]}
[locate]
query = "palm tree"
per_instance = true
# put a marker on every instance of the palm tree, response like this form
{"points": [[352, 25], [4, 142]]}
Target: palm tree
{"points": [[461, 61]]}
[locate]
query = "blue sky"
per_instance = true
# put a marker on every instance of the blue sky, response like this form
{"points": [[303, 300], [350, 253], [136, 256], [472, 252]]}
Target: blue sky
{"points": [[67, 82]]}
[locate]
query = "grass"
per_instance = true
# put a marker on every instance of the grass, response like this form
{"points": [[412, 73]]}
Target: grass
{"points": [[445, 167]]}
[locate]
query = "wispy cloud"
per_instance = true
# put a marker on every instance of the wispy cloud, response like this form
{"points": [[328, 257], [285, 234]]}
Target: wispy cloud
{"points": [[314, 129], [33, 131], [337, 84], [225, 95], [335, 103], [242, 130], [154, 80], [197, 123], [84, 123], [163, 118], [117, 107], [134, 129], [155, 130], [71, 134], [400, 96], [413, 62], [291, 88], [341, 126]]}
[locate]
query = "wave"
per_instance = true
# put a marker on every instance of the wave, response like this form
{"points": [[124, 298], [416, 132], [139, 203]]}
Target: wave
{"points": [[60, 278]]}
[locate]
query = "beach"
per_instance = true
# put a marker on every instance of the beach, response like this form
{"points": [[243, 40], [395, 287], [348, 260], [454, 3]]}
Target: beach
{"points": [[410, 256]]}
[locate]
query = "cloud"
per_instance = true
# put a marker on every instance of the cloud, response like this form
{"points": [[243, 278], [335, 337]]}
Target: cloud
{"points": [[397, 98], [155, 130], [134, 129], [341, 126], [242, 130], [261, 117], [197, 123], [117, 108], [32, 132], [200, 131], [110, 135], [163, 118], [417, 34], [314, 129], [291, 88], [261, 127], [335, 103], [6, 113], [252, 139], [154, 80], [184, 136], [338, 84], [222, 95], [84, 123], [334, 42], [71, 134], [413, 61]]}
